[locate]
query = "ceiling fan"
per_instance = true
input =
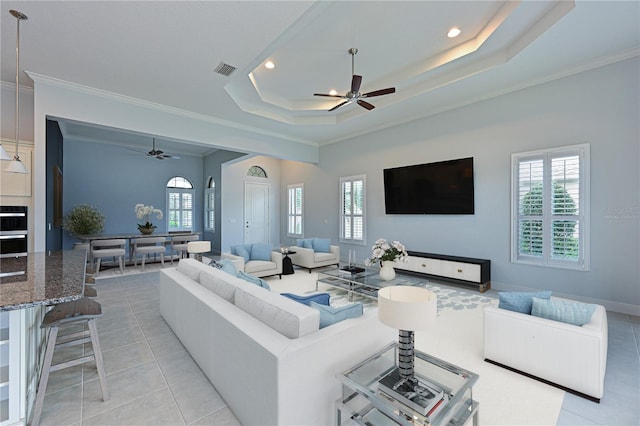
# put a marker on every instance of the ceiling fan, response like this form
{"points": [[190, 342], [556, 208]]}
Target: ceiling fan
{"points": [[354, 94], [160, 155]]}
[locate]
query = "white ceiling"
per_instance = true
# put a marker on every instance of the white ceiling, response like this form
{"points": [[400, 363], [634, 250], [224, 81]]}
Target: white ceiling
{"points": [[165, 52]]}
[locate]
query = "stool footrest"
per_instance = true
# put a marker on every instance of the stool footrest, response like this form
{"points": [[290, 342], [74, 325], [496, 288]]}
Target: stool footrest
{"points": [[72, 363]]}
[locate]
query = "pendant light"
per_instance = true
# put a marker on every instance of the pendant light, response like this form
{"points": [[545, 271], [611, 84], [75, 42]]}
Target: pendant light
{"points": [[16, 165]]}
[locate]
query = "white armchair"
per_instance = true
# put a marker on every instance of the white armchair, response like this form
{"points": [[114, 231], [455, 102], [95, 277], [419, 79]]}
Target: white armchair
{"points": [[257, 268], [310, 259]]}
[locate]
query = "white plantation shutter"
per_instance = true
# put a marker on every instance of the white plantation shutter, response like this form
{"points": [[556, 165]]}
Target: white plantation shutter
{"points": [[352, 209], [550, 214], [294, 210], [179, 204], [210, 205]]}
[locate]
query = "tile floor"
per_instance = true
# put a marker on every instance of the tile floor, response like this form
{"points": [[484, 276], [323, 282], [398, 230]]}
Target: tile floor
{"points": [[154, 381], [151, 378]]}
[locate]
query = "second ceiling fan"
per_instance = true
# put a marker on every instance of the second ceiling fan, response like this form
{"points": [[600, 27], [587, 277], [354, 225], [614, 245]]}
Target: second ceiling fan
{"points": [[354, 94]]}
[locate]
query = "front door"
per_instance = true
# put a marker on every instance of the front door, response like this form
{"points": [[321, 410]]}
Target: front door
{"points": [[256, 213]]}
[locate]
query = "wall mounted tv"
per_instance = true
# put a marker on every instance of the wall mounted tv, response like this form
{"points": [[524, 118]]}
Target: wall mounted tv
{"points": [[445, 187]]}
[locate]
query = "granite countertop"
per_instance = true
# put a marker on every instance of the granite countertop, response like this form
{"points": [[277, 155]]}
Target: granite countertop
{"points": [[43, 278]]}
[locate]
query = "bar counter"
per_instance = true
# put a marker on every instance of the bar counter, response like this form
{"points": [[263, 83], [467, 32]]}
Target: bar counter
{"points": [[43, 278]]}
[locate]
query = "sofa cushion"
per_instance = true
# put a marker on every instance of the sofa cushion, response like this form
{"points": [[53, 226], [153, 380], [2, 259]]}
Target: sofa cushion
{"points": [[519, 301], [253, 280], [217, 285], [330, 315], [260, 251], [575, 313], [321, 245], [308, 244], [321, 298], [323, 257], [259, 266], [243, 250], [289, 318], [191, 270]]}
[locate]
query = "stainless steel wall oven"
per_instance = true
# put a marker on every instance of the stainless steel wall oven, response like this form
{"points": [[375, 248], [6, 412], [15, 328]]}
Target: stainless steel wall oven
{"points": [[13, 231]]}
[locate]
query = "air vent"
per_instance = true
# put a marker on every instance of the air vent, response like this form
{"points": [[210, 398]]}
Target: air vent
{"points": [[224, 69]]}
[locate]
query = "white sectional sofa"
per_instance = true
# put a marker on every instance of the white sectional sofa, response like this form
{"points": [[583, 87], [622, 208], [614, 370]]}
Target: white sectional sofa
{"points": [[264, 353], [571, 356]]}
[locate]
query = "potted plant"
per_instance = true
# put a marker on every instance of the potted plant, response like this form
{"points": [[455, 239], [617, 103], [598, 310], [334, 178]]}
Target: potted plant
{"points": [[84, 220], [144, 213]]}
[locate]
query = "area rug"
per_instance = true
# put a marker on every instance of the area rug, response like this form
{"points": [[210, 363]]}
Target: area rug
{"points": [[505, 398]]}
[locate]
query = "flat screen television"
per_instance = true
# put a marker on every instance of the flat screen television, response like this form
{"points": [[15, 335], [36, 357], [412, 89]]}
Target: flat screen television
{"points": [[445, 187]]}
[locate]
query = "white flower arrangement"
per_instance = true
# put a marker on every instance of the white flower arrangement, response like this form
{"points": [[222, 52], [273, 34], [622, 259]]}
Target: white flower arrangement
{"points": [[384, 251], [144, 213]]}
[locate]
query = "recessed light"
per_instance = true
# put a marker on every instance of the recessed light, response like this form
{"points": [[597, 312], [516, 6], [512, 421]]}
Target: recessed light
{"points": [[269, 65], [333, 92], [454, 32]]}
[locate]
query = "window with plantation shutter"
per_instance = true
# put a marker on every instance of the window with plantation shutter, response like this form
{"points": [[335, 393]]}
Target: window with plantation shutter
{"points": [[210, 205], [550, 217], [352, 209], [295, 225], [179, 204]]}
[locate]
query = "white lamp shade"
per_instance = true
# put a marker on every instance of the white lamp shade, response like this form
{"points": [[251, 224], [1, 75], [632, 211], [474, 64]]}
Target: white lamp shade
{"points": [[16, 166], [3, 154], [407, 308], [199, 246]]}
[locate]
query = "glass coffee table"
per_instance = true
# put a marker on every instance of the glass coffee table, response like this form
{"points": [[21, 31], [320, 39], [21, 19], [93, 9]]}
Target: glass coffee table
{"points": [[364, 403], [364, 281]]}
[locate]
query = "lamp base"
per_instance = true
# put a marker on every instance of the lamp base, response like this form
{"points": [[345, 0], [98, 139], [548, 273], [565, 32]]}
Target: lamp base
{"points": [[414, 392]]}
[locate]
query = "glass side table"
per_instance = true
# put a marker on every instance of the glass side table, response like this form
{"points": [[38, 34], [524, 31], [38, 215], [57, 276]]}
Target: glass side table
{"points": [[363, 403]]}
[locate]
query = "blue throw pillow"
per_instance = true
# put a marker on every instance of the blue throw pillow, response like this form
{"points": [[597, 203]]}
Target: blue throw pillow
{"points": [[569, 312], [227, 266], [320, 298], [261, 251], [330, 315], [242, 250], [300, 241], [254, 280], [321, 245], [518, 301], [307, 244]]}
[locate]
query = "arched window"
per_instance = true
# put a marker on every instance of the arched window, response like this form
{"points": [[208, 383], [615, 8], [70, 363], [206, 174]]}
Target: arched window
{"points": [[257, 171], [210, 205], [179, 204]]}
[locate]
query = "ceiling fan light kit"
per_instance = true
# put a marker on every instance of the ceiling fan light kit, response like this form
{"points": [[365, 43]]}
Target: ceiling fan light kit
{"points": [[354, 94], [159, 154]]}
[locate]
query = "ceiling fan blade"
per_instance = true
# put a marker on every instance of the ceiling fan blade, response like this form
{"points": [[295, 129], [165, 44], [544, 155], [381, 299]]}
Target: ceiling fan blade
{"points": [[339, 105], [331, 96], [356, 81], [366, 105], [380, 92]]}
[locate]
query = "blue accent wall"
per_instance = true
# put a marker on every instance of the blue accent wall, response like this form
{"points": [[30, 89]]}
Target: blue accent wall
{"points": [[115, 179]]}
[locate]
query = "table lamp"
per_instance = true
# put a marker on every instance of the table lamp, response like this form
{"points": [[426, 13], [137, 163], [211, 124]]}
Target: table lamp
{"points": [[198, 247], [408, 309]]}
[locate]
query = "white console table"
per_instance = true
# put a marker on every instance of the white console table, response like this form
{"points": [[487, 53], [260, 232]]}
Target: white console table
{"points": [[456, 269]]}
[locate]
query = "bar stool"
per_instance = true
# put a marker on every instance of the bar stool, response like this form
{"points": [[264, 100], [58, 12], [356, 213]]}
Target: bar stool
{"points": [[147, 246], [83, 310], [179, 245], [108, 248]]}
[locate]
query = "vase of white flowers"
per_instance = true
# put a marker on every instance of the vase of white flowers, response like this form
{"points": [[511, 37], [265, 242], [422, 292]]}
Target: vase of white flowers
{"points": [[385, 254], [144, 213]]}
